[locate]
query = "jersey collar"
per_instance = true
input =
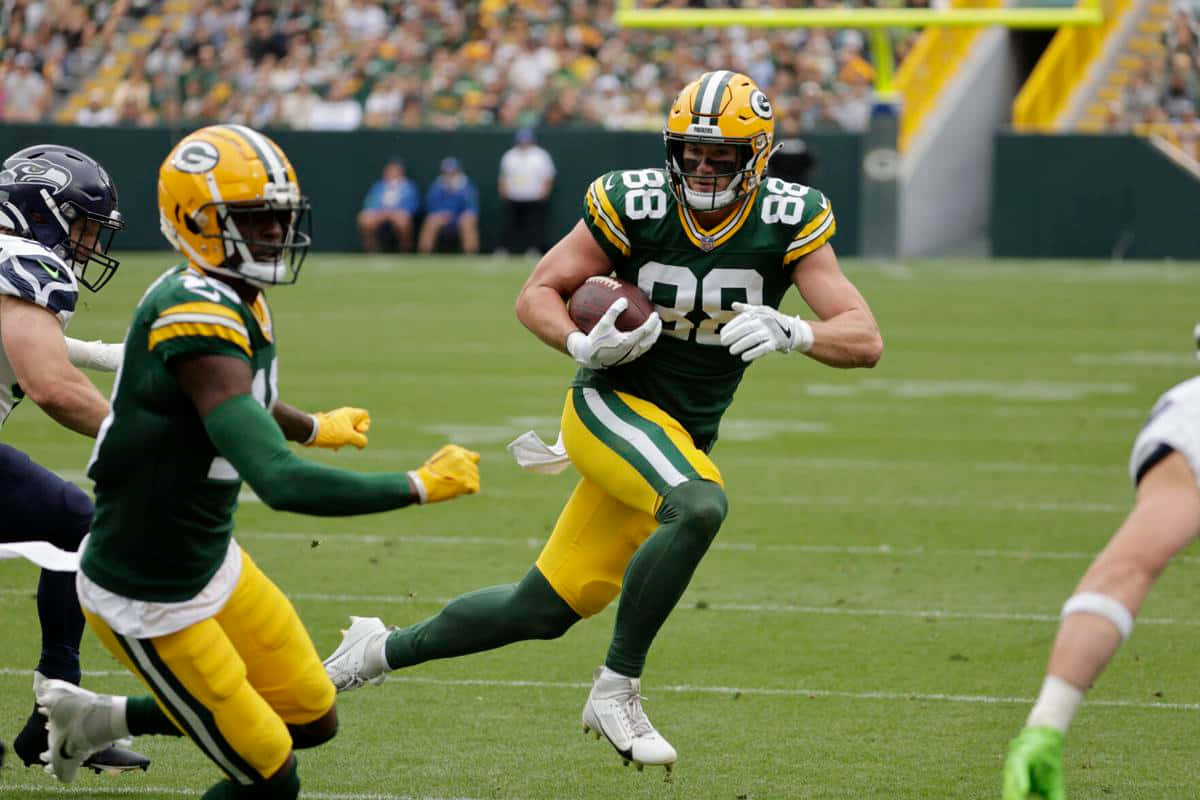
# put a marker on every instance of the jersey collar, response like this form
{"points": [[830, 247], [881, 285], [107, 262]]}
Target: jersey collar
{"points": [[708, 239]]}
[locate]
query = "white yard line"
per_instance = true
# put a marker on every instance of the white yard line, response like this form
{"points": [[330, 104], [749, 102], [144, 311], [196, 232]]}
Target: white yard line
{"points": [[764, 691], [58, 789], [882, 549]]}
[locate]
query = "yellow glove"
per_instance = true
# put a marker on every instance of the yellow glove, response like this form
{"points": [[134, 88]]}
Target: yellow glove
{"points": [[344, 425], [450, 472]]}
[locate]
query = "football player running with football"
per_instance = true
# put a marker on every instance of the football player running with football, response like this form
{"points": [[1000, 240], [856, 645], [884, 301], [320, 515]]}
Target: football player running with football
{"points": [[58, 216], [715, 245], [195, 412], [1098, 617]]}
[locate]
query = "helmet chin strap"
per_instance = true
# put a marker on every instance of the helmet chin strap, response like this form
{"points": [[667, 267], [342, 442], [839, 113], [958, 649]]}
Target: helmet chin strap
{"points": [[708, 201]]}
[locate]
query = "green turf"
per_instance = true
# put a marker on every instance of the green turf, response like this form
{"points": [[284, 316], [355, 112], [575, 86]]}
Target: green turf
{"points": [[874, 619]]}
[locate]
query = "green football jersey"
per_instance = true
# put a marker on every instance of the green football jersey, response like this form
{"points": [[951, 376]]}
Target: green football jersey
{"points": [[164, 496], [694, 276]]}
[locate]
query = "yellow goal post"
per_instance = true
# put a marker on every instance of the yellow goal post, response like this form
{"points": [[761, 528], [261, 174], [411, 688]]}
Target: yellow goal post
{"points": [[877, 20]]}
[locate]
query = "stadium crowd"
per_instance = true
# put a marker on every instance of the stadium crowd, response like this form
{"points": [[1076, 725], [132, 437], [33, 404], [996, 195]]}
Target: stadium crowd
{"points": [[1161, 95], [344, 64]]}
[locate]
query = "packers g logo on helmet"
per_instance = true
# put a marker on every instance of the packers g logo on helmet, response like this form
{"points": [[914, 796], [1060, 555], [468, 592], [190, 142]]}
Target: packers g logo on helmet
{"points": [[720, 107], [213, 188]]}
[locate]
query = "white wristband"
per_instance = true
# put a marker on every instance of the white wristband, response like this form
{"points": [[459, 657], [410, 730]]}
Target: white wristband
{"points": [[802, 335], [419, 485], [576, 343], [312, 437], [95, 355]]}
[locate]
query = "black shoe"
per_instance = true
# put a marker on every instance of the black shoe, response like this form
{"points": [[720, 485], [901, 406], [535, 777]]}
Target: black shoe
{"points": [[34, 739], [116, 759]]}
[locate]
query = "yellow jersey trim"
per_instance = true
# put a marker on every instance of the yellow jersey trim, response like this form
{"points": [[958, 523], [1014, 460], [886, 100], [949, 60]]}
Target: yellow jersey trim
{"points": [[263, 315], [604, 216], [708, 239], [178, 329], [215, 309], [821, 230]]}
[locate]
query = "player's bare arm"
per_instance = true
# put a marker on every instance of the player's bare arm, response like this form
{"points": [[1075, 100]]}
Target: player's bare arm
{"points": [[845, 333], [34, 343], [329, 429], [541, 304], [211, 380], [297, 425]]}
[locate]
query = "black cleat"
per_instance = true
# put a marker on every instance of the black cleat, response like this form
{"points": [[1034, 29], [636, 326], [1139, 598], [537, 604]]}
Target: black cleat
{"points": [[115, 759], [33, 740]]}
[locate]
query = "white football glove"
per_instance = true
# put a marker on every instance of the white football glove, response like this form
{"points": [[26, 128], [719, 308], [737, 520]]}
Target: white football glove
{"points": [[758, 330], [606, 346]]}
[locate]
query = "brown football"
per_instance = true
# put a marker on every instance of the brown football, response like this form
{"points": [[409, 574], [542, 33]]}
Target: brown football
{"points": [[597, 293]]}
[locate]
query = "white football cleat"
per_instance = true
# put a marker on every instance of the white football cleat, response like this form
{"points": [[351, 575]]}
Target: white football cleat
{"points": [[614, 709], [359, 658], [78, 721]]}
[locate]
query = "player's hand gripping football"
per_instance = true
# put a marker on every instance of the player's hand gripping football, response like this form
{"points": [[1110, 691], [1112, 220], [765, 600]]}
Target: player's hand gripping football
{"points": [[605, 346], [345, 425], [758, 330], [450, 472], [1034, 765]]}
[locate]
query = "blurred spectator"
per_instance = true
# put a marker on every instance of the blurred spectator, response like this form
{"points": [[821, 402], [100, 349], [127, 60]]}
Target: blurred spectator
{"points": [[526, 179], [264, 39], [135, 89], [389, 208], [451, 210], [97, 112], [434, 63], [384, 103], [26, 93], [340, 112], [364, 19]]}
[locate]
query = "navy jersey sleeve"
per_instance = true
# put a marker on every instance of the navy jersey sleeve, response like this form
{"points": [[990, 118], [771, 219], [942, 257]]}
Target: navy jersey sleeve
{"points": [[41, 279]]}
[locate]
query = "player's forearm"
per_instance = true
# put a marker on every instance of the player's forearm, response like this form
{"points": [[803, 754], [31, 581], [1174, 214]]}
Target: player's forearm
{"points": [[71, 400], [296, 425], [850, 339], [251, 440], [543, 312]]}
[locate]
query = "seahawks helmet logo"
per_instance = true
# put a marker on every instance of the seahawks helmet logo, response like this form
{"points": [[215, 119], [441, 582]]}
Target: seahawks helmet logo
{"points": [[760, 104], [35, 170], [196, 157]]}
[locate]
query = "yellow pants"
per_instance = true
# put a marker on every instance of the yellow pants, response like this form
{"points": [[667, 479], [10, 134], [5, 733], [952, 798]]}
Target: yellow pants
{"points": [[233, 682], [630, 453]]}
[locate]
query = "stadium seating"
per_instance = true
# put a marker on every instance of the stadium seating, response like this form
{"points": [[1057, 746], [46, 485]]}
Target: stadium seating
{"points": [[1152, 89], [365, 63]]}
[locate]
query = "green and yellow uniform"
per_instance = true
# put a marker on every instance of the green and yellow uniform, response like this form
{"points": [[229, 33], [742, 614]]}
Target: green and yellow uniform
{"points": [[211, 634], [693, 276], [155, 468], [162, 581], [637, 431]]}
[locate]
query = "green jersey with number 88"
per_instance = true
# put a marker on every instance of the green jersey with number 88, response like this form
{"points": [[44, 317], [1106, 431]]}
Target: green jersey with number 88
{"points": [[694, 276]]}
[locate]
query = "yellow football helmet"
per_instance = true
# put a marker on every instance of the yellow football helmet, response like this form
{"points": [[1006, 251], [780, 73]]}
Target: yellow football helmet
{"points": [[720, 107], [213, 188]]}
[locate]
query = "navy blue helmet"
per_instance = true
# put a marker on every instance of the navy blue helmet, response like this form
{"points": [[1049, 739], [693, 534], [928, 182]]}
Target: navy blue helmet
{"points": [[63, 199]]}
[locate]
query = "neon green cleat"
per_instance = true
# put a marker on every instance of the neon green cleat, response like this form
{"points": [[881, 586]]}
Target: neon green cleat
{"points": [[1034, 765]]}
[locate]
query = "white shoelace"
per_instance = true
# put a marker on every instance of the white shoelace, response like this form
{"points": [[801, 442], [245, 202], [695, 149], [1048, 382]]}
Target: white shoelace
{"points": [[639, 723]]}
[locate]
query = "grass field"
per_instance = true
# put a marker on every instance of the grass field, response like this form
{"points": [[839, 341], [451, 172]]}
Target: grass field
{"points": [[873, 620]]}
